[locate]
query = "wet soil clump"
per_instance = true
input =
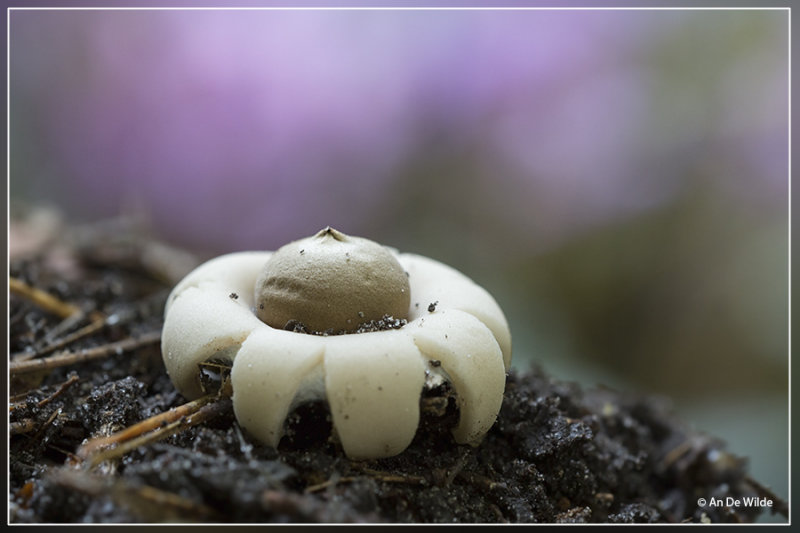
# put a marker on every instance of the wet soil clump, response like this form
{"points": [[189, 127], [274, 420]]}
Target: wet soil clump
{"points": [[558, 453]]}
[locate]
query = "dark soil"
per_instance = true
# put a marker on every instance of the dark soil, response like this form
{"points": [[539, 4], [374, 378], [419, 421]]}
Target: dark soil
{"points": [[558, 453]]}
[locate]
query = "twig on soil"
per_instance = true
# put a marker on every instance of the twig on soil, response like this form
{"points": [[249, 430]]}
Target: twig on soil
{"points": [[62, 327], [46, 424], [676, 453], [45, 300], [98, 322], [329, 483], [373, 474], [451, 473], [138, 429], [143, 500], [381, 475], [64, 386], [18, 402], [481, 482], [26, 425], [153, 429], [67, 358], [377, 475]]}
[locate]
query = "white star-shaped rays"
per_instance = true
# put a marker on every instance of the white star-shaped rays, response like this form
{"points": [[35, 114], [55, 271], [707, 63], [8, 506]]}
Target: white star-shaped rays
{"points": [[371, 381]]}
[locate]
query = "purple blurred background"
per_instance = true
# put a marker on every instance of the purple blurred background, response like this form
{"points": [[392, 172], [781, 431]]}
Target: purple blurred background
{"points": [[618, 179]]}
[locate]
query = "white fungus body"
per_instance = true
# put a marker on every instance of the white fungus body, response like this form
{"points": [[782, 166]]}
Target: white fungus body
{"points": [[371, 381]]}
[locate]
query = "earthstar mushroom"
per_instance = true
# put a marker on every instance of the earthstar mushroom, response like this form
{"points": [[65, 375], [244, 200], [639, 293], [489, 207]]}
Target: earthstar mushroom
{"points": [[331, 285]]}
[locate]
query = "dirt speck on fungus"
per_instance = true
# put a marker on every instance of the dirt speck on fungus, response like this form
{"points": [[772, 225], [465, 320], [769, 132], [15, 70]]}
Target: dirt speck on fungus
{"points": [[557, 453]]}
